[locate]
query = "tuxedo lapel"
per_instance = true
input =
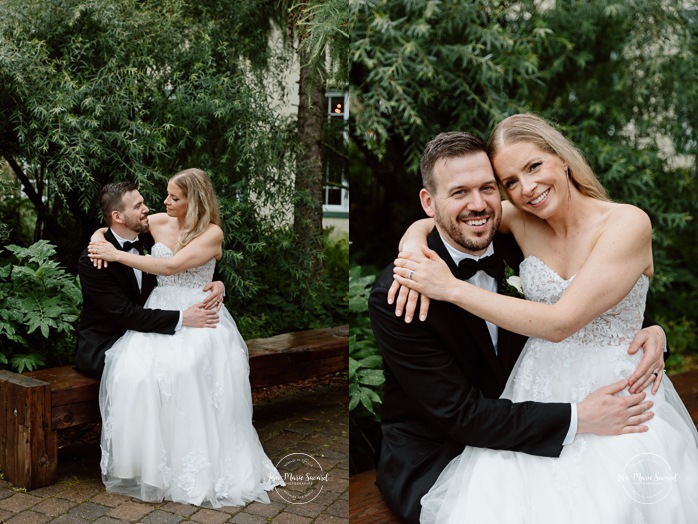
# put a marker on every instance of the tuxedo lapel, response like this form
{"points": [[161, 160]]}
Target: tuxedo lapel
{"points": [[509, 344], [476, 326]]}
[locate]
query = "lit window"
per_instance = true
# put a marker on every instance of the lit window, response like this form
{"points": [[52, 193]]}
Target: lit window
{"points": [[336, 188]]}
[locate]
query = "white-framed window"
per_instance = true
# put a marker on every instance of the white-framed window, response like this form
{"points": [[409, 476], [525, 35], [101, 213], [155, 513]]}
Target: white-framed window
{"points": [[336, 187]]}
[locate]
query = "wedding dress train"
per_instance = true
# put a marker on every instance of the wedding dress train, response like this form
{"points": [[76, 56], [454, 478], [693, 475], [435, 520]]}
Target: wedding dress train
{"points": [[177, 410]]}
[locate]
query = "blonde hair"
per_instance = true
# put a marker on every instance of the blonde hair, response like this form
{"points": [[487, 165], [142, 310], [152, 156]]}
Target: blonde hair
{"points": [[537, 131], [202, 204]]}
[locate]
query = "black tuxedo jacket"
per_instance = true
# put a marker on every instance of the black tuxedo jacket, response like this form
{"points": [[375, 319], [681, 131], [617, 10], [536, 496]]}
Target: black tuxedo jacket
{"points": [[442, 383], [112, 303]]}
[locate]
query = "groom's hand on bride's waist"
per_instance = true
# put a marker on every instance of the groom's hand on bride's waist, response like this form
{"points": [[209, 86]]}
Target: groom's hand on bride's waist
{"points": [[604, 413], [200, 317]]}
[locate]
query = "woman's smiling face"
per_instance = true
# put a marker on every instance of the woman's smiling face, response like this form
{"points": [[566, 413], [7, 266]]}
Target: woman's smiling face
{"points": [[534, 180]]}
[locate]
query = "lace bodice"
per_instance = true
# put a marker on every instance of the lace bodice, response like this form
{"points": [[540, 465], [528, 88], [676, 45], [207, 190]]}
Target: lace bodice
{"points": [[196, 277], [618, 325]]}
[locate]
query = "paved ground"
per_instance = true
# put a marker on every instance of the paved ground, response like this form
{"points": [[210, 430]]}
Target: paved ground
{"points": [[310, 419]]}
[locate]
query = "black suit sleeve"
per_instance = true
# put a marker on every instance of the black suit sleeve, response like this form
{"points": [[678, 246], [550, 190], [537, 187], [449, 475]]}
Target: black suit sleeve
{"points": [[435, 385], [109, 297]]}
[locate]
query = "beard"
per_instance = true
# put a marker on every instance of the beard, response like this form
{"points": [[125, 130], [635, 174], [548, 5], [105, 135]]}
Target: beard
{"points": [[469, 243], [135, 225]]}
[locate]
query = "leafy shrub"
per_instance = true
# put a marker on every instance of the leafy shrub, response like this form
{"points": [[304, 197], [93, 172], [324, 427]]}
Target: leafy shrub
{"points": [[365, 362], [682, 338], [39, 305], [365, 375], [270, 288]]}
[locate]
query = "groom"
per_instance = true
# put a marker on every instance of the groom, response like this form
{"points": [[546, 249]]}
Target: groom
{"points": [[443, 375], [114, 296]]}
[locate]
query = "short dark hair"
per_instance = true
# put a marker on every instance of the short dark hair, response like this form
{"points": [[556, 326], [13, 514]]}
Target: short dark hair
{"points": [[111, 198], [447, 145]]}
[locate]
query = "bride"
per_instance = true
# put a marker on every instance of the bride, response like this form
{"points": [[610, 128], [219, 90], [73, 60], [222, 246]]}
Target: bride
{"points": [[585, 276], [177, 410]]}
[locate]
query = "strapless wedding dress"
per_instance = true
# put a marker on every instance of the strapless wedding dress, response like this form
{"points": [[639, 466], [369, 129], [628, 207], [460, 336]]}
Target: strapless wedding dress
{"points": [[649, 477], [177, 410]]}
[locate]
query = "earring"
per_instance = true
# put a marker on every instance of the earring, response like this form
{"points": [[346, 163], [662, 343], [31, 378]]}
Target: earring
{"points": [[569, 190]]}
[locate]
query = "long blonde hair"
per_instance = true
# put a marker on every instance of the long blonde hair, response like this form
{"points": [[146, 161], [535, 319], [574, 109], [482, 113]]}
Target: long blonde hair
{"points": [[534, 130], [202, 204]]}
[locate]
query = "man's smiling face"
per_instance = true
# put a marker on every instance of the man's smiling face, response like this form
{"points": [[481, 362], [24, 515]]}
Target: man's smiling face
{"points": [[466, 204]]}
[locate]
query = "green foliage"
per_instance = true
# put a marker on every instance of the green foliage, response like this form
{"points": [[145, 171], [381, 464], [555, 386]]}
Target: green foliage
{"points": [[366, 377], [416, 61], [365, 362], [92, 92], [102, 90], [683, 340], [323, 29], [39, 306], [617, 78], [17, 215], [268, 291]]}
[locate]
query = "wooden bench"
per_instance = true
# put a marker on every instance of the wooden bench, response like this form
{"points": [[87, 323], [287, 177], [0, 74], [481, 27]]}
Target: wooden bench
{"points": [[366, 504], [35, 406]]}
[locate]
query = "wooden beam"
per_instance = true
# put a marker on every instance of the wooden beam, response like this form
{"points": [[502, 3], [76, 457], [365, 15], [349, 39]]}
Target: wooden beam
{"points": [[28, 444]]}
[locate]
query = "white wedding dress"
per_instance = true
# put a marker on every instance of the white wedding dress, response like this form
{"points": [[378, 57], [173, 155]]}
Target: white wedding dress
{"points": [[650, 477], [177, 409]]}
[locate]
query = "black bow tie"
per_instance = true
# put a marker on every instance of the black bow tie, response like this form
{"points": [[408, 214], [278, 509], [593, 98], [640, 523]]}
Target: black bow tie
{"points": [[128, 246], [492, 265]]}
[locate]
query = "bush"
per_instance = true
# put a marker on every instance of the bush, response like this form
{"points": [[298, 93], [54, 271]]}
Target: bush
{"points": [[365, 362], [270, 291], [366, 377], [682, 338], [39, 305]]}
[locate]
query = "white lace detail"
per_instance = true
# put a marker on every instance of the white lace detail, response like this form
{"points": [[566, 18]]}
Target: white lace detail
{"points": [[196, 277], [192, 465], [165, 469], [606, 338], [618, 325], [271, 477]]}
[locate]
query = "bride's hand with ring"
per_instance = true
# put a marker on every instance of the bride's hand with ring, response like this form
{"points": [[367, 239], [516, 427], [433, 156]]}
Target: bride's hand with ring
{"points": [[215, 298], [407, 298], [102, 251], [427, 274]]}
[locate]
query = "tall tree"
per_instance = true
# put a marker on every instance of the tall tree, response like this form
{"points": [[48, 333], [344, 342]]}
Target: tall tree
{"points": [[618, 78], [127, 89], [318, 32]]}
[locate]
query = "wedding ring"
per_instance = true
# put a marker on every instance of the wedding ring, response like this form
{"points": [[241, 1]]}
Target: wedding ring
{"points": [[409, 275], [655, 373]]}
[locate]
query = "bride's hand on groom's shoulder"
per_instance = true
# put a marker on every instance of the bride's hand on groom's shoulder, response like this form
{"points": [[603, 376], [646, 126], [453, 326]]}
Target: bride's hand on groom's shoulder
{"points": [[426, 273], [406, 300], [101, 253]]}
